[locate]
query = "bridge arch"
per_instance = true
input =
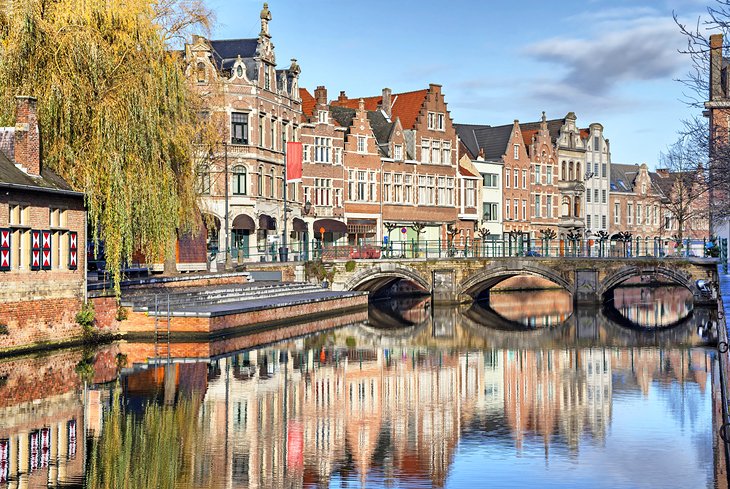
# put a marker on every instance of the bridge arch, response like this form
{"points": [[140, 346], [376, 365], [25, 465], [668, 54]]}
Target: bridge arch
{"points": [[621, 275], [375, 278], [488, 277]]}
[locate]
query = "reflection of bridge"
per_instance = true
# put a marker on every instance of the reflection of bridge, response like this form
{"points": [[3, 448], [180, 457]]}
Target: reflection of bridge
{"points": [[589, 280]]}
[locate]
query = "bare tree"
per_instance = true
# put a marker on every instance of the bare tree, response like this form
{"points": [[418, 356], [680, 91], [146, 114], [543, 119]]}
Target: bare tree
{"points": [[685, 184]]}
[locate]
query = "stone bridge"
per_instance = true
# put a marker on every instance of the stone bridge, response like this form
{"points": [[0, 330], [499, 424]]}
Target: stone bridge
{"points": [[589, 280]]}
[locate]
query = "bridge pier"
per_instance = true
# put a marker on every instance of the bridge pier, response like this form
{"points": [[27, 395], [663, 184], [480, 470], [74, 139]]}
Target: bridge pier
{"points": [[586, 288]]}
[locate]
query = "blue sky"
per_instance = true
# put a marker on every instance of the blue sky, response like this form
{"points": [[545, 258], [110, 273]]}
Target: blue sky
{"points": [[612, 62]]}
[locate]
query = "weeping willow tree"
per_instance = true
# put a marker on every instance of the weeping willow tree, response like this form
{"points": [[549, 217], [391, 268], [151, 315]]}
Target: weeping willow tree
{"points": [[117, 117]]}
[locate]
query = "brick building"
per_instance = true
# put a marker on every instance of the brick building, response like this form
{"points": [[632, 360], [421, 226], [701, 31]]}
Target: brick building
{"points": [[42, 240], [254, 108]]}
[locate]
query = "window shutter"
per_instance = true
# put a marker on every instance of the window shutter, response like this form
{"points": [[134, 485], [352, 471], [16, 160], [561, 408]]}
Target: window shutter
{"points": [[4, 250], [73, 250], [45, 250], [35, 250]]}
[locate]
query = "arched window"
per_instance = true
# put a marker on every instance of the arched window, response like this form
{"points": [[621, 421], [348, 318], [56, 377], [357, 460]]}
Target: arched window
{"points": [[576, 207], [200, 71], [240, 180], [272, 186], [563, 174], [203, 179], [578, 174], [565, 206], [571, 173], [260, 182]]}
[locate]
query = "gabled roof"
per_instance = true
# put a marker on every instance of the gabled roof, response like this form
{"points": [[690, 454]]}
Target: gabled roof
{"points": [[308, 102], [553, 126], [493, 140], [226, 51], [405, 106], [342, 115], [527, 136], [11, 175], [381, 126], [623, 177]]}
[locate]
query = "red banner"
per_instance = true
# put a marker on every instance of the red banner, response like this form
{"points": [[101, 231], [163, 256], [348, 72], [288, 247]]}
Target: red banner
{"points": [[293, 162]]}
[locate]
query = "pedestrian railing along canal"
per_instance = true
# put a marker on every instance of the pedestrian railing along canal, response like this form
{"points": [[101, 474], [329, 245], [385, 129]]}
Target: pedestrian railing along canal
{"points": [[487, 248]]}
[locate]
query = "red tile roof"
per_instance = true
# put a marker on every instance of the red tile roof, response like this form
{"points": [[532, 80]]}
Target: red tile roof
{"points": [[466, 172], [406, 105], [585, 133], [527, 136], [308, 101]]}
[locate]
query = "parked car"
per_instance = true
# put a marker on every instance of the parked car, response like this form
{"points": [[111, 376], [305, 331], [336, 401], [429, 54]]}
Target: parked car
{"points": [[532, 253], [364, 252]]}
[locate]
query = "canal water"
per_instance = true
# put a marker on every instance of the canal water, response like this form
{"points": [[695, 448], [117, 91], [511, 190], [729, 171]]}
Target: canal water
{"points": [[514, 391]]}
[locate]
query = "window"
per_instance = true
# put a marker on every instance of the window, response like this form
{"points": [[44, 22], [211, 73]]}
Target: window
{"points": [[398, 188], [322, 116], [490, 180], [398, 152], [436, 152], [538, 176], [603, 221], [260, 182], [596, 143], [201, 72], [322, 191], [284, 139], [203, 183], [603, 196], [630, 213], [387, 187], [18, 215], [441, 190], [656, 215], [516, 151], [373, 187], [524, 210], [408, 188], [261, 130], [431, 120], [322, 149], [267, 78], [588, 221], [537, 206], [239, 128], [272, 131], [490, 212], [361, 144], [506, 208], [425, 151], [351, 184], [595, 195], [643, 189], [550, 175], [516, 174], [338, 156], [603, 170], [471, 192], [362, 182], [516, 215], [588, 196], [668, 220], [441, 126], [272, 186], [446, 151], [562, 171], [431, 190], [240, 183], [305, 153], [638, 214], [507, 178], [524, 178], [338, 197], [549, 206], [616, 214], [422, 190]]}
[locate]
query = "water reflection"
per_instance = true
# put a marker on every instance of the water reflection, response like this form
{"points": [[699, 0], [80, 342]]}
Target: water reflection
{"points": [[439, 401], [533, 308], [653, 306]]}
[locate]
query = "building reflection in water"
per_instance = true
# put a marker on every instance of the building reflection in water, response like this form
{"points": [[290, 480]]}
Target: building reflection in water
{"points": [[364, 405], [653, 306]]}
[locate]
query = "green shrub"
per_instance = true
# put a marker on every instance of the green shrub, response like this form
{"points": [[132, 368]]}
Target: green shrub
{"points": [[122, 313], [317, 270], [350, 266], [4, 330], [350, 342], [85, 318]]}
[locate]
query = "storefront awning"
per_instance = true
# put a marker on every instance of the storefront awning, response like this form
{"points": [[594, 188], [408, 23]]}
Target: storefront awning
{"points": [[267, 222], [243, 222], [329, 226], [299, 225]]}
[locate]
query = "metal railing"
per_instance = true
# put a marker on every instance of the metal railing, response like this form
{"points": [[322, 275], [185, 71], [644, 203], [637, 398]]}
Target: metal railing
{"points": [[476, 248]]}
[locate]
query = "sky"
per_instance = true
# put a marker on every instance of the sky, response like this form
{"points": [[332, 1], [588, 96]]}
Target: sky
{"points": [[615, 62]]}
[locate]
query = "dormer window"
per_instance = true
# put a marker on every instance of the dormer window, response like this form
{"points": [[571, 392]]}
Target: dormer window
{"points": [[322, 116], [398, 152], [267, 79], [200, 70], [239, 71]]}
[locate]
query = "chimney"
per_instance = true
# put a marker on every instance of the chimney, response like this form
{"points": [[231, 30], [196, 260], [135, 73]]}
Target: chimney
{"points": [[716, 67], [27, 135], [386, 103], [342, 96], [320, 95], [480, 156]]}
